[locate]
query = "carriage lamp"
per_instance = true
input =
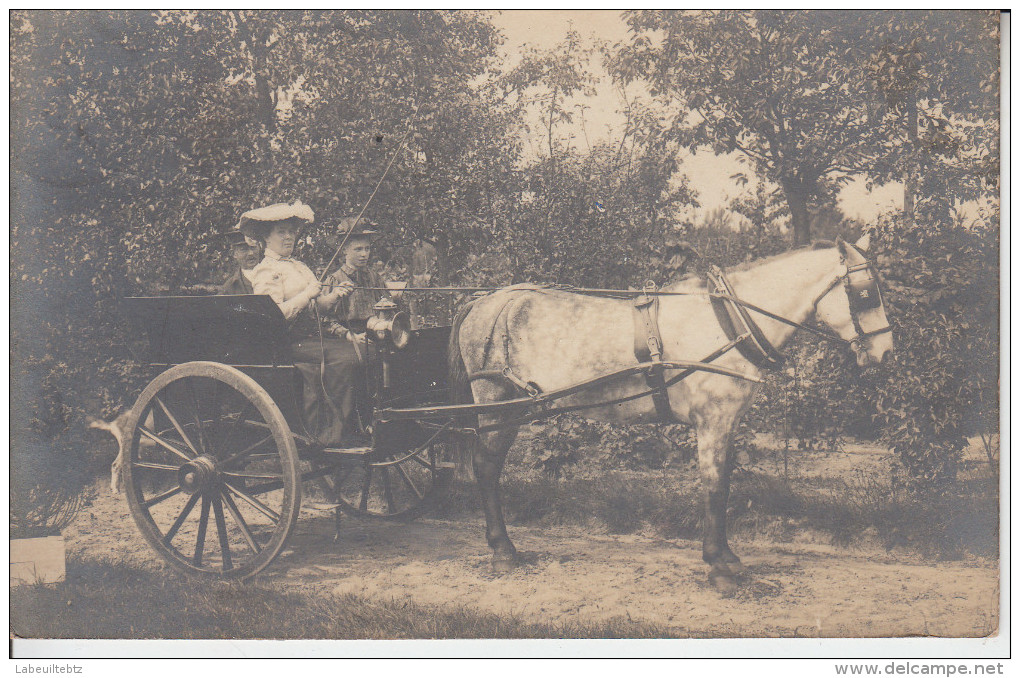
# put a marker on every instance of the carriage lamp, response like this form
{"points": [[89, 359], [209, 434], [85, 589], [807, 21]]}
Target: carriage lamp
{"points": [[388, 321]]}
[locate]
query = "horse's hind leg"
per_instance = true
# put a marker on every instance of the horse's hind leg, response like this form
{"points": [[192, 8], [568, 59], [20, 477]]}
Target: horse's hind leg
{"points": [[488, 459], [714, 436]]}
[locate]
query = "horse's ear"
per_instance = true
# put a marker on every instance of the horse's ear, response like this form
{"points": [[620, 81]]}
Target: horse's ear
{"points": [[864, 243], [841, 244]]}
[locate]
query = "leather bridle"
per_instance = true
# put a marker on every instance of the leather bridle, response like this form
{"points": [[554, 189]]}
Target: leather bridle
{"points": [[862, 294]]}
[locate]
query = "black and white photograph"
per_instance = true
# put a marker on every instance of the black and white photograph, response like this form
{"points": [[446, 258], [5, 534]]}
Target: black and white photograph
{"points": [[375, 325]]}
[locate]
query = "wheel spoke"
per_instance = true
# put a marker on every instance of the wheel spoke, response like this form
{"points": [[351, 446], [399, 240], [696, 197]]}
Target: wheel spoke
{"points": [[257, 476], [196, 414], [155, 466], [176, 425], [262, 488], [246, 451], [159, 440], [214, 424], [221, 531], [203, 523], [424, 464], [409, 482], [239, 519], [388, 491], [172, 532], [365, 487], [236, 425], [254, 503], [162, 496]]}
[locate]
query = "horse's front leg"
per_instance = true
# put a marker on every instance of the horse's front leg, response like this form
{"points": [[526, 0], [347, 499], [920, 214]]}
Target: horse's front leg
{"points": [[714, 437], [489, 456]]}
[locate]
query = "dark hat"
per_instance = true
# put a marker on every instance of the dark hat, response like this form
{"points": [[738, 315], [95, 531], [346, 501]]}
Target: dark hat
{"points": [[235, 238], [257, 222], [363, 228]]}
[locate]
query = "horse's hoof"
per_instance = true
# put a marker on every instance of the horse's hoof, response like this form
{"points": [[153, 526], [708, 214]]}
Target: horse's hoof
{"points": [[723, 581], [503, 565], [735, 566]]}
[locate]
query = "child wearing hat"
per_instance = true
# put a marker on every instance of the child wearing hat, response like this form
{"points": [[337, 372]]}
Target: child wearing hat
{"points": [[353, 310]]}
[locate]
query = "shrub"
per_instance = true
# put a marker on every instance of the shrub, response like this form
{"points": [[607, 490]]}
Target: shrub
{"points": [[942, 294], [569, 440]]}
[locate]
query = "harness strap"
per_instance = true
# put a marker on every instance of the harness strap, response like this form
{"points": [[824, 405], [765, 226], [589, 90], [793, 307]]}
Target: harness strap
{"points": [[648, 347], [552, 411], [529, 387], [738, 325]]}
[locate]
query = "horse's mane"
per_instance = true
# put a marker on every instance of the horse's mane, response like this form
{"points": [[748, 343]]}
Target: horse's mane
{"points": [[754, 263]]}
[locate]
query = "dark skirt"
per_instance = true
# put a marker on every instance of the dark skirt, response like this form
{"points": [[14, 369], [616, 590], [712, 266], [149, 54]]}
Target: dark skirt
{"points": [[327, 413]]}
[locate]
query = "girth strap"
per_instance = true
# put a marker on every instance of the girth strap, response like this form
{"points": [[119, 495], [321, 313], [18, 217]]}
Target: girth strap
{"points": [[648, 347], [738, 325]]}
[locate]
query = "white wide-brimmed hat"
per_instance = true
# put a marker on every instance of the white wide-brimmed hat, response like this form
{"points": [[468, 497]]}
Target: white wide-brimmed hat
{"points": [[257, 222]]}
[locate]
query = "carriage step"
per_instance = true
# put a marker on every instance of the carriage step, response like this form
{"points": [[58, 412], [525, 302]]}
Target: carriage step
{"points": [[321, 506], [347, 451]]}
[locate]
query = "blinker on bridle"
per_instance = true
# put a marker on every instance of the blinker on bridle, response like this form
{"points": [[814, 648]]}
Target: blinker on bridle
{"points": [[863, 295]]}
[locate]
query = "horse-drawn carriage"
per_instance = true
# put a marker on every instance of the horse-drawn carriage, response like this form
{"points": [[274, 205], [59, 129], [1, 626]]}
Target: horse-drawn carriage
{"points": [[217, 435]]}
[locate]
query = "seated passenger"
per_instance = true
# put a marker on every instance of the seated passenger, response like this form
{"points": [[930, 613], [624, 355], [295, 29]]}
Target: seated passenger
{"points": [[246, 255], [327, 364], [353, 310]]}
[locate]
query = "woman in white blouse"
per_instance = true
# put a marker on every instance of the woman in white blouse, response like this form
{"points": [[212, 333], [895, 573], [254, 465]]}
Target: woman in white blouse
{"points": [[328, 365]]}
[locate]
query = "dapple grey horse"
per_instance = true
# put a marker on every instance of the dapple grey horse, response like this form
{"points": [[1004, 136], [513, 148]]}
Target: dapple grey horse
{"points": [[555, 339]]}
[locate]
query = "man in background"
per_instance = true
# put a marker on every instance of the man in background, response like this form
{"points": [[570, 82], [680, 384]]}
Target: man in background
{"points": [[246, 255]]}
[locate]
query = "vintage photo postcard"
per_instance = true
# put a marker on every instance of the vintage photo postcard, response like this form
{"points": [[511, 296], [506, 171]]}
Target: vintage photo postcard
{"points": [[356, 325]]}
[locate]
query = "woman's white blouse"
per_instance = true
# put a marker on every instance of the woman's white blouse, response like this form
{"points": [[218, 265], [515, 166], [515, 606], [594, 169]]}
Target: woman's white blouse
{"points": [[283, 279]]}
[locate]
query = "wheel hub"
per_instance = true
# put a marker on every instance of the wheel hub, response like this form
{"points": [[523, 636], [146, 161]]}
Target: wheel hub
{"points": [[198, 474]]}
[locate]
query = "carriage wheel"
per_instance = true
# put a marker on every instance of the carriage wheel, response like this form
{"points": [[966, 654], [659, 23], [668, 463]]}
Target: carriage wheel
{"points": [[396, 486], [213, 479]]}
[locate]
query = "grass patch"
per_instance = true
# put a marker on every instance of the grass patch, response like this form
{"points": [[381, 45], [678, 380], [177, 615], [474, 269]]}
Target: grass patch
{"points": [[106, 600]]}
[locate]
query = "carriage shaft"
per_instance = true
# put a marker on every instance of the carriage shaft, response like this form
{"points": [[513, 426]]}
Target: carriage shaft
{"points": [[447, 411]]}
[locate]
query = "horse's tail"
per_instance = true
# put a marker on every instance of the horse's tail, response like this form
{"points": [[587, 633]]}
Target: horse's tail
{"points": [[460, 393], [460, 384]]}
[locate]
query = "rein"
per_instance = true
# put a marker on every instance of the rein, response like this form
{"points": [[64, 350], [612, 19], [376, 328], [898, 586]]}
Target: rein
{"points": [[536, 404], [860, 297], [630, 294]]}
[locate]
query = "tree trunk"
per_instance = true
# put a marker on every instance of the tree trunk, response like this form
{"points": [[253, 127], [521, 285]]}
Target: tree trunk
{"points": [[910, 171], [797, 199]]}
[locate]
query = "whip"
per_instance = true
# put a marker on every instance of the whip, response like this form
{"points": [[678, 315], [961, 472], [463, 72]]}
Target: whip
{"points": [[393, 157]]}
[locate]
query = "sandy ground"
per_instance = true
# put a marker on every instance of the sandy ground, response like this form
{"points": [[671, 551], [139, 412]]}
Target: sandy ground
{"points": [[797, 588]]}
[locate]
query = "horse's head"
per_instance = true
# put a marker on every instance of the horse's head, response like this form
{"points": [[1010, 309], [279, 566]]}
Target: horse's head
{"points": [[854, 309]]}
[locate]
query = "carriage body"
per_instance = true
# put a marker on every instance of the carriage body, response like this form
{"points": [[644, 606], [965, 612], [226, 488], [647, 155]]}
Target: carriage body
{"points": [[218, 449], [249, 332]]}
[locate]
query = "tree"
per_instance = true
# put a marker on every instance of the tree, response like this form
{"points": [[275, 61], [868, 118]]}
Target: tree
{"points": [[934, 79], [780, 88], [138, 135], [595, 215]]}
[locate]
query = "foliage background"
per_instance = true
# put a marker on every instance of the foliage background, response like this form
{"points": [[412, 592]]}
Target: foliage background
{"points": [[138, 136]]}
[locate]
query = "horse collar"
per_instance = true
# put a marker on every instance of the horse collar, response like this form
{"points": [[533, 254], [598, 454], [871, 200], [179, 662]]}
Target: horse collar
{"points": [[739, 326]]}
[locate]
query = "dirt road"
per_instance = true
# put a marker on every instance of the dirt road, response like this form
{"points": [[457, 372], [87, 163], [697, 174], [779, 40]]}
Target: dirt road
{"points": [[791, 589]]}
